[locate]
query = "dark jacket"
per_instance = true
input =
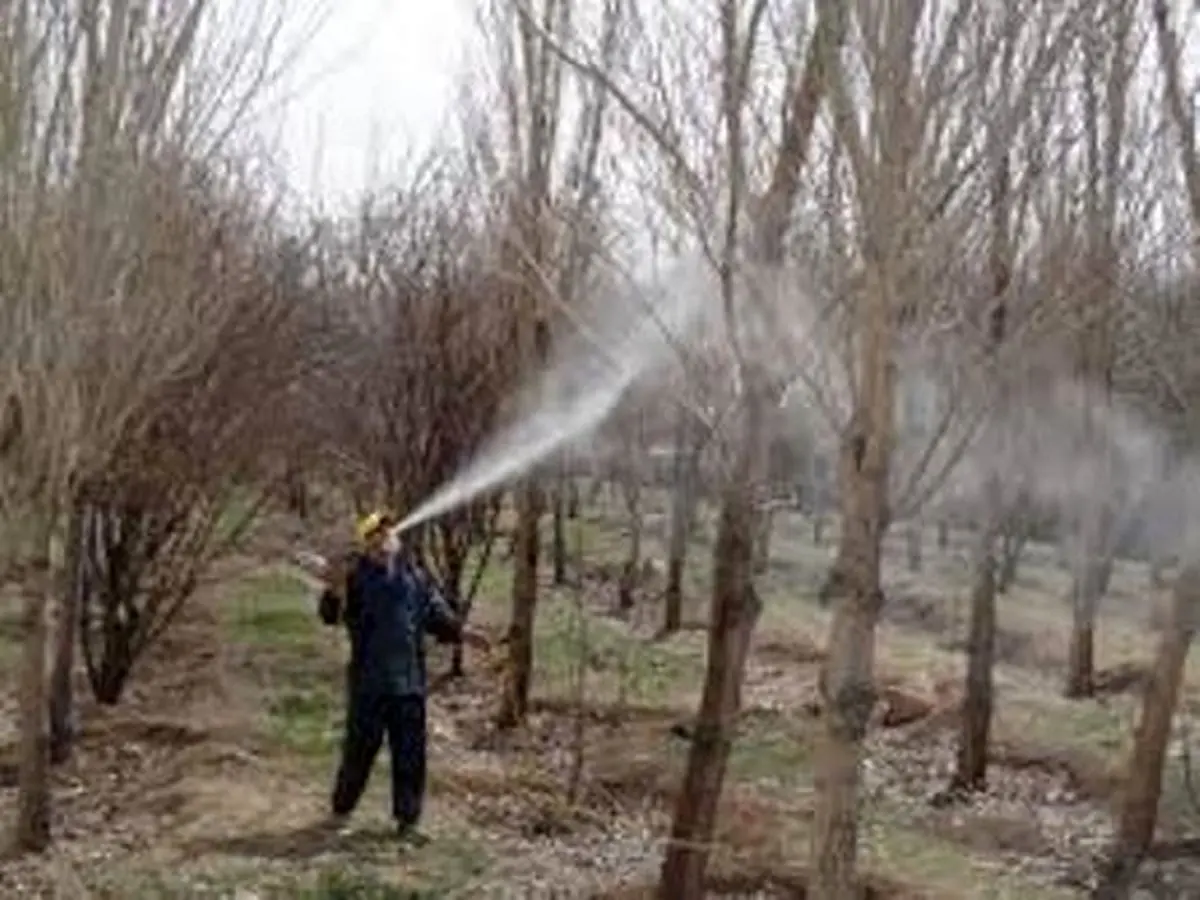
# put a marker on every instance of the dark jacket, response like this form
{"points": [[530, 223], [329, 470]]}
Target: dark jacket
{"points": [[387, 613]]}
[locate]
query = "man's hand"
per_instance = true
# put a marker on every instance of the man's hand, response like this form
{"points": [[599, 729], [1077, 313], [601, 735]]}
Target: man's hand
{"points": [[315, 566]]}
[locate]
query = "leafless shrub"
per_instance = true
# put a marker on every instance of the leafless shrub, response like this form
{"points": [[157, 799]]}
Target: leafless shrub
{"points": [[425, 360], [98, 314], [187, 474]]}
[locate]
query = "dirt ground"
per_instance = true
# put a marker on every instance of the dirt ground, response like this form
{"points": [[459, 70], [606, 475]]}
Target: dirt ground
{"points": [[210, 778]]}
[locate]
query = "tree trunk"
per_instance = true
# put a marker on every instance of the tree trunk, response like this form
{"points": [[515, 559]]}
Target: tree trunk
{"points": [[595, 494], [835, 584], [764, 522], [297, 495], [735, 609], [681, 512], [1012, 546], [1093, 570], [515, 698], [559, 551], [32, 831], [66, 634], [912, 545], [572, 498], [526, 547], [456, 562], [1081, 655], [631, 571], [696, 486], [847, 682], [457, 661], [631, 477], [970, 773], [1138, 812], [1158, 571], [108, 607]]}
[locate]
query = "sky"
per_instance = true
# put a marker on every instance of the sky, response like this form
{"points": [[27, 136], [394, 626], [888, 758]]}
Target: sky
{"points": [[376, 80]]}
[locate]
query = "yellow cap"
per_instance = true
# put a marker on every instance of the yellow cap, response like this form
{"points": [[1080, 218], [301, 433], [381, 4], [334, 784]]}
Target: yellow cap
{"points": [[371, 523]]}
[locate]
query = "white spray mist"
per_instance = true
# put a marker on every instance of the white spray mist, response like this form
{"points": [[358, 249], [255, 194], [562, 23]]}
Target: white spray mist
{"points": [[627, 338]]}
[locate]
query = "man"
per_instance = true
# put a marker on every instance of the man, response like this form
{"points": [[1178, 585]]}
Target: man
{"points": [[387, 606]]}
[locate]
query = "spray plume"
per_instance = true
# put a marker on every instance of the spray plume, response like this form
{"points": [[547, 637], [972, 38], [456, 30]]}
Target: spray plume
{"points": [[628, 338]]}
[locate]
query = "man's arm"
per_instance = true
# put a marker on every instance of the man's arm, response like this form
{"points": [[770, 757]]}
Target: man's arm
{"points": [[441, 620], [340, 606]]}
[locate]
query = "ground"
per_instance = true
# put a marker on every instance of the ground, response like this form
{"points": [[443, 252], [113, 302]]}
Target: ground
{"points": [[208, 778]]}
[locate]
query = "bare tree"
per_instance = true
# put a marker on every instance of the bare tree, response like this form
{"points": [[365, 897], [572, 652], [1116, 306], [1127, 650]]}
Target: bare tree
{"points": [[98, 118], [186, 477], [62, 722], [631, 466], [550, 228], [914, 174], [46, 50], [1015, 533], [745, 227], [735, 603], [1137, 814], [1109, 61], [685, 462], [690, 439], [1009, 206]]}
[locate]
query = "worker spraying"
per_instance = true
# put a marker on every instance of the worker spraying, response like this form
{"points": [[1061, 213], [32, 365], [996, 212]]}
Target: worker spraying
{"points": [[388, 604]]}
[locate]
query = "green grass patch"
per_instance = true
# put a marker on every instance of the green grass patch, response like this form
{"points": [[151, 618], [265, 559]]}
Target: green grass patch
{"points": [[1180, 802], [775, 749], [271, 613], [274, 608], [1049, 720], [238, 518], [619, 664], [307, 721], [378, 870], [353, 883], [942, 866], [495, 583]]}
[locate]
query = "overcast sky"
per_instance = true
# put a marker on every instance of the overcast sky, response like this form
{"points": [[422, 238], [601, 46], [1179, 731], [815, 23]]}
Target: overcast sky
{"points": [[377, 79]]}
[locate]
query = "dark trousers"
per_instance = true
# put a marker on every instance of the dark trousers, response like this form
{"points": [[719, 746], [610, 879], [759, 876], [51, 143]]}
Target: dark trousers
{"points": [[369, 717]]}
